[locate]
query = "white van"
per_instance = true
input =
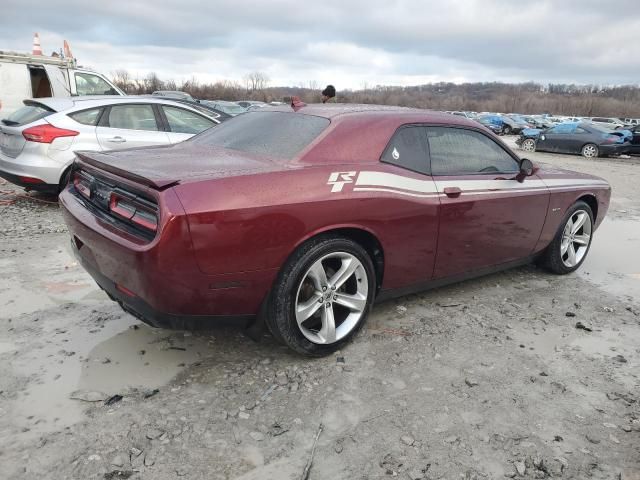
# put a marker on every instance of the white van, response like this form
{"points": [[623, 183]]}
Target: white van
{"points": [[24, 76]]}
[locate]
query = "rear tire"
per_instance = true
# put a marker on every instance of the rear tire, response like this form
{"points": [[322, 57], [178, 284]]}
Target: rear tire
{"points": [[572, 242], [64, 180], [314, 308], [590, 150]]}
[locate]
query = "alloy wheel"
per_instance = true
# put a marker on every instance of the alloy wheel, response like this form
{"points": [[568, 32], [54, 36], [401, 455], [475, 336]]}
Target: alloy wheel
{"points": [[576, 238], [590, 151], [529, 145], [331, 298]]}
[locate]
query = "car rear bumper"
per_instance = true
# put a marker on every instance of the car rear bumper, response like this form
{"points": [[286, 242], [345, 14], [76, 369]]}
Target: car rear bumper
{"points": [[32, 165], [614, 149], [160, 282], [140, 309], [21, 182]]}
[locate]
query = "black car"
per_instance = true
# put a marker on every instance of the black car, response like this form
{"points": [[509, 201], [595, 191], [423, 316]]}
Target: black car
{"points": [[634, 148], [582, 138]]}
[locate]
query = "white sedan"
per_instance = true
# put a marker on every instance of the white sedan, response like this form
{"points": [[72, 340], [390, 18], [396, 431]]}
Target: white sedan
{"points": [[38, 142]]}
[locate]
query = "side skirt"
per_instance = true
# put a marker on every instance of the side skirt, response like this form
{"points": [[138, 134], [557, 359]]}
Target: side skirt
{"points": [[441, 282]]}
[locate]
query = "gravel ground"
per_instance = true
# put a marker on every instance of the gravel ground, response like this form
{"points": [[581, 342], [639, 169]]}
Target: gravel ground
{"points": [[521, 374]]}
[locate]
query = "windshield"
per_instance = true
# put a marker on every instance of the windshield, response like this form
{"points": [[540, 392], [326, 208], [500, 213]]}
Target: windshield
{"points": [[275, 134]]}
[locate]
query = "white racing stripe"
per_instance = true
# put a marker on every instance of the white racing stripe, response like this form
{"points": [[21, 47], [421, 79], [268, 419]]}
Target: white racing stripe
{"points": [[399, 182], [399, 192], [371, 181]]}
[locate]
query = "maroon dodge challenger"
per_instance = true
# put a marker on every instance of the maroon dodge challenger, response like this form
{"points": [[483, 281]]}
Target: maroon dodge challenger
{"points": [[304, 218]]}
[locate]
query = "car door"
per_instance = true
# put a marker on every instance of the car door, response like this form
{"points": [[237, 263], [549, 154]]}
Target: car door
{"points": [[182, 123], [556, 139], [487, 217], [130, 125], [404, 186]]}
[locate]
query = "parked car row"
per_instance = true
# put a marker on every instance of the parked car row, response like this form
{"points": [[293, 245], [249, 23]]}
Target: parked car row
{"points": [[585, 138]]}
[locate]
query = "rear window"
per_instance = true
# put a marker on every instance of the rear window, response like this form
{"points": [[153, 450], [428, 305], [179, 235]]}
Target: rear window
{"points": [[275, 134], [27, 114]]}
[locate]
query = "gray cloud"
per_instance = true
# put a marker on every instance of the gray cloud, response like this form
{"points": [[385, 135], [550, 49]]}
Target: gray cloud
{"points": [[347, 42]]}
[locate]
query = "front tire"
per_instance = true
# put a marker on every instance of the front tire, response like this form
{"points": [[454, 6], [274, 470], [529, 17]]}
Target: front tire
{"points": [[506, 130], [322, 296], [590, 150], [529, 145], [571, 244]]}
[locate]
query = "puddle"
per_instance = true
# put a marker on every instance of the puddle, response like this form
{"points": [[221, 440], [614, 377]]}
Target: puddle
{"points": [[39, 280], [613, 263], [75, 350], [110, 361]]}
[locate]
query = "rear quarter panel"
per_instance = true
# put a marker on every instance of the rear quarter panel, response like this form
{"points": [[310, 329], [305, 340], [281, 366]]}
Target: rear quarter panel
{"points": [[255, 222]]}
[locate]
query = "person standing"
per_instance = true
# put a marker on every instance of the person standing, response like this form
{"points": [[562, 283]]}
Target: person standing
{"points": [[329, 94]]}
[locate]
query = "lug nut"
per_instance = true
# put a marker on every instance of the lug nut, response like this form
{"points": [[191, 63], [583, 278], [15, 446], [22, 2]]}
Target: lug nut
{"points": [[324, 289]]}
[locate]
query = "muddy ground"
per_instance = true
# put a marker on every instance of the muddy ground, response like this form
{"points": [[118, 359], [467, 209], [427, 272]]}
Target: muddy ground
{"points": [[485, 379]]}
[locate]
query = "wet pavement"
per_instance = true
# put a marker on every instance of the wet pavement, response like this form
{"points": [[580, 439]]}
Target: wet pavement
{"points": [[613, 262]]}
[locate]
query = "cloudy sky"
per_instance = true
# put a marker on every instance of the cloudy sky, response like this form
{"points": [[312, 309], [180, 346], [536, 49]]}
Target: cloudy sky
{"points": [[346, 42]]}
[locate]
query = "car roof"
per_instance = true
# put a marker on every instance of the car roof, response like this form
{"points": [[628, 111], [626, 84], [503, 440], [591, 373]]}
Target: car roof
{"points": [[402, 114], [62, 104], [65, 103]]}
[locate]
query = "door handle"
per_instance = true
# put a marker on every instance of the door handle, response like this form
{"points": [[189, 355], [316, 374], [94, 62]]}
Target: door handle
{"points": [[116, 140], [452, 192]]}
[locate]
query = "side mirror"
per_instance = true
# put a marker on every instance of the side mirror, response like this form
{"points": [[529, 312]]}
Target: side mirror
{"points": [[526, 169]]}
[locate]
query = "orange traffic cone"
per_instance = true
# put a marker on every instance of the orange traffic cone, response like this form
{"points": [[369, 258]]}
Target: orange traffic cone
{"points": [[37, 49], [67, 50]]}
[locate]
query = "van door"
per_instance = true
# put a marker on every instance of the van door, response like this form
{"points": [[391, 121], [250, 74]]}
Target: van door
{"points": [[15, 86], [93, 84], [58, 80]]}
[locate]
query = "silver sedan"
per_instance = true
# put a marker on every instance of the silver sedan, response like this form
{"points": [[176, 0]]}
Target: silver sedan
{"points": [[38, 142]]}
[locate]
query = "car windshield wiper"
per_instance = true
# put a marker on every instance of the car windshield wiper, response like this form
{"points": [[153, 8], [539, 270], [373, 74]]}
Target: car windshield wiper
{"points": [[10, 123]]}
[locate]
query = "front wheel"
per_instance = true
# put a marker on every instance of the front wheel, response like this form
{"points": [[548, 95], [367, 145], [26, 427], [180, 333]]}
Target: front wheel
{"points": [[590, 151], [529, 145], [571, 244], [322, 296], [506, 130]]}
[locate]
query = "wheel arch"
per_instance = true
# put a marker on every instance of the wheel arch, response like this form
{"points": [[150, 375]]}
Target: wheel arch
{"points": [[591, 200], [359, 234]]}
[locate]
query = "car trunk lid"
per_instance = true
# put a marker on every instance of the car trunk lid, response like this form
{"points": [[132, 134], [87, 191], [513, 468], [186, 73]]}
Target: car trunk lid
{"points": [[163, 166], [12, 141]]}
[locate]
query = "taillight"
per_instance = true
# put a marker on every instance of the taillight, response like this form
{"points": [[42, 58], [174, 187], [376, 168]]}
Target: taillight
{"points": [[46, 133], [134, 209], [613, 139], [82, 183]]}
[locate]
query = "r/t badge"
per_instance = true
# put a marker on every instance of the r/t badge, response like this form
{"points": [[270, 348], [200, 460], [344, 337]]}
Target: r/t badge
{"points": [[338, 180]]}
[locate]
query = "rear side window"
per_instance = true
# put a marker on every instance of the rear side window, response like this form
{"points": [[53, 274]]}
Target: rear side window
{"points": [[87, 117], [456, 151], [133, 117], [275, 134], [408, 149], [184, 121], [27, 114]]}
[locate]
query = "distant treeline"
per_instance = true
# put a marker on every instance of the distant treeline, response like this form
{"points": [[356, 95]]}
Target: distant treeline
{"points": [[529, 98]]}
